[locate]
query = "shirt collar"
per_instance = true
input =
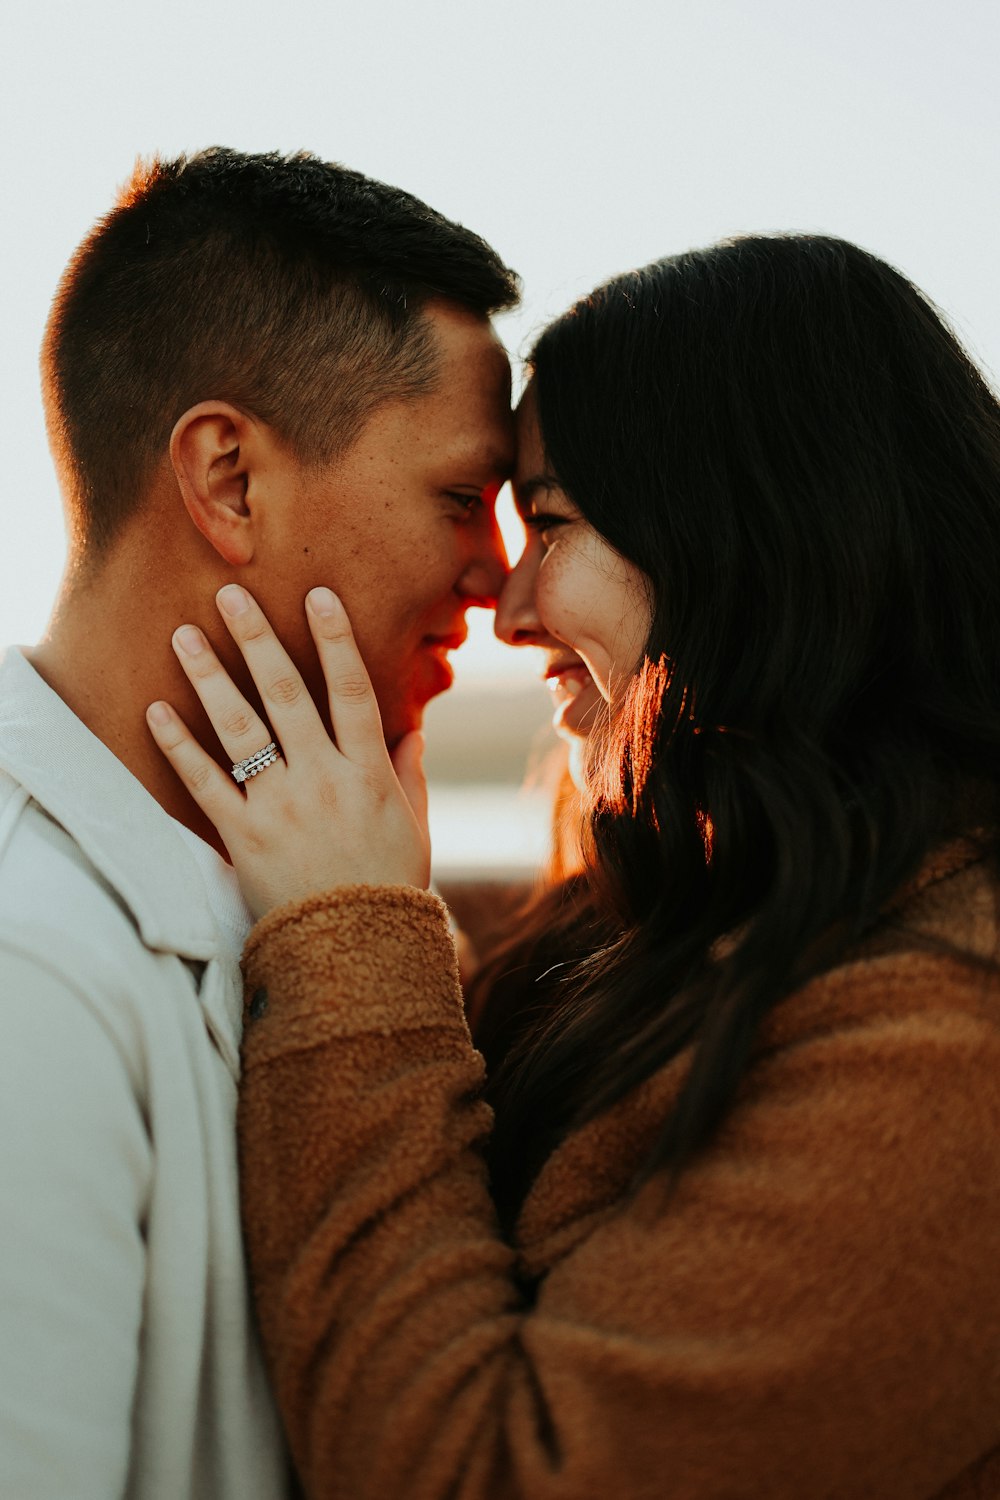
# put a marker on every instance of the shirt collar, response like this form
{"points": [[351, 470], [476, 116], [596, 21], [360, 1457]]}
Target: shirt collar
{"points": [[121, 829]]}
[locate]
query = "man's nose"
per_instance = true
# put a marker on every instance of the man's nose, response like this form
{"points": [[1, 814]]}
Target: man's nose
{"points": [[486, 573], [517, 620]]}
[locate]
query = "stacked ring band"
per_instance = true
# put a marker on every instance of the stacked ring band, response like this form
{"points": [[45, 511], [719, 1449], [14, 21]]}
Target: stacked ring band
{"points": [[244, 769]]}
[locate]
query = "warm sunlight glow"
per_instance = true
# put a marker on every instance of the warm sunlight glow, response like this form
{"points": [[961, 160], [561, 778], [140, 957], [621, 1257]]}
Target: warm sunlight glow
{"points": [[511, 525]]}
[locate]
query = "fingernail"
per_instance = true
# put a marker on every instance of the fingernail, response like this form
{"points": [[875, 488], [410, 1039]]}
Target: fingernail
{"points": [[190, 640], [323, 601], [158, 713], [233, 600]]}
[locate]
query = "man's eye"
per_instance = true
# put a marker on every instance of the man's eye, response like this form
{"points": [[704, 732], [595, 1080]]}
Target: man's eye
{"points": [[468, 503]]}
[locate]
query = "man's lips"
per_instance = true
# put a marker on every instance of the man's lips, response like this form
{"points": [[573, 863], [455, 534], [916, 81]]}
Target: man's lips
{"points": [[437, 648], [449, 642]]}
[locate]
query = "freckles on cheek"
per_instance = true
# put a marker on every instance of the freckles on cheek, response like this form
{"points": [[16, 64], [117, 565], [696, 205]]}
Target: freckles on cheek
{"points": [[560, 609]]}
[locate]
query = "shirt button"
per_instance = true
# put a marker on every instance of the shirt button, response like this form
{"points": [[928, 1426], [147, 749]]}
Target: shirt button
{"points": [[258, 1004]]}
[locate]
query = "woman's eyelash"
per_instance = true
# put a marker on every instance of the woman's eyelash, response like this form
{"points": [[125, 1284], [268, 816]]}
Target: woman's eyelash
{"points": [[540, 521]]}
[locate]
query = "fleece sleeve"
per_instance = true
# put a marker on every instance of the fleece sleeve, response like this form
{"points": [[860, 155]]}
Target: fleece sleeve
{"points": [[74, 1171], [813, 1312]]}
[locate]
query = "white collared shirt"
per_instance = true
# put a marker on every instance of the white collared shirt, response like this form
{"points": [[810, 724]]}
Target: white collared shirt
{"points": [[129, 1361], [233, 917]]}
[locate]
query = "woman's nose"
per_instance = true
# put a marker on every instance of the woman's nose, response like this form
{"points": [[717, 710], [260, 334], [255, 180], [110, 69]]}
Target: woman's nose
{"points": [[517, 620]]}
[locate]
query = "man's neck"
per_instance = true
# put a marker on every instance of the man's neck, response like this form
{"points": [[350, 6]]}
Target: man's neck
{"points": [[108, 662]]}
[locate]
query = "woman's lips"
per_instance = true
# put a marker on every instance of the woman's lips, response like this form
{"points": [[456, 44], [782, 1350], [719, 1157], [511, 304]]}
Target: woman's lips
{"points": [[576, 697], [567, 681]]}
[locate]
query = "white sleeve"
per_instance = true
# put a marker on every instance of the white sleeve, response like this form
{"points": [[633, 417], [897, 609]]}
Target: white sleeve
{"points": [[74, 1173]]}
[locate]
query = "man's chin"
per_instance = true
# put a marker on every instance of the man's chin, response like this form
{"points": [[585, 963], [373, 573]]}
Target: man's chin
{"points": [[399, 719], [399, 722]]}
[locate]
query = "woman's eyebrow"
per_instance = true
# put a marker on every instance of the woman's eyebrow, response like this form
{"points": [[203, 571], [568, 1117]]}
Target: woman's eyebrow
{"points": [[526, 489]]}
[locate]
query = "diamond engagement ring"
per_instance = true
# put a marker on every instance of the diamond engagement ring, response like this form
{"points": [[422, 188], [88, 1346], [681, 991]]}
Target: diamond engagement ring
{"points": [[244, 769]]}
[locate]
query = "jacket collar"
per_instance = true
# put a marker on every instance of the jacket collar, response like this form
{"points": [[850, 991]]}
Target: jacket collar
{"points": [[121, 829]]}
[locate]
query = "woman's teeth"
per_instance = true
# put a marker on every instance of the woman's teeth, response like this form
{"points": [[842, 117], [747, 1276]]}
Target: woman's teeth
{"points": [[572, 686]]}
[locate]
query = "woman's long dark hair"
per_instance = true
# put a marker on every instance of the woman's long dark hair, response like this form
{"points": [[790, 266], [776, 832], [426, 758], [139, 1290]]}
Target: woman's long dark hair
{"points": [[784, 436]]}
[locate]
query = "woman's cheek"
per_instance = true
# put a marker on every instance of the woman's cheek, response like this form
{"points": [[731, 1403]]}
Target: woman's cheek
{"points": [[560, 597]]}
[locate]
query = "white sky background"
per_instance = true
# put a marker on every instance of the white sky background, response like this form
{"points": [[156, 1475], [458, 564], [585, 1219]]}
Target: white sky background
{"points": [[579, 139]]}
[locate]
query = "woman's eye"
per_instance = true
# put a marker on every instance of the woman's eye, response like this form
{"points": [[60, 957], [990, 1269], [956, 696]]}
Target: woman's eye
{"points": [[543, 524]]}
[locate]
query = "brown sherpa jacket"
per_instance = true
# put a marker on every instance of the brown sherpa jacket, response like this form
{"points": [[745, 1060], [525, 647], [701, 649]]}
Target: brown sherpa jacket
{"points": [[814, 1314]]}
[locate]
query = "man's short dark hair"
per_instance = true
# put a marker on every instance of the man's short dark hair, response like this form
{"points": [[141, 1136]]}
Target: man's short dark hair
{"points": [[290, 286]]}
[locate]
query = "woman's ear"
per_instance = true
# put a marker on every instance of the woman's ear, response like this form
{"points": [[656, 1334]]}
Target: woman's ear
{"points": [[211, 454]]}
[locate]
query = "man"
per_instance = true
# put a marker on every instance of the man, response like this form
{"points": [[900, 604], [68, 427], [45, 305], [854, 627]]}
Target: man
{"points": [[257, 369]]}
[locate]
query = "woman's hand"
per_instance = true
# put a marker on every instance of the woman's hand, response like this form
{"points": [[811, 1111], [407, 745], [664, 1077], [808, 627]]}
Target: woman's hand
{"points": [[328, 814]]}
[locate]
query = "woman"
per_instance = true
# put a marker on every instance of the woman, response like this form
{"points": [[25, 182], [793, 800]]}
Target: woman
{"points": [[746, 1151]]}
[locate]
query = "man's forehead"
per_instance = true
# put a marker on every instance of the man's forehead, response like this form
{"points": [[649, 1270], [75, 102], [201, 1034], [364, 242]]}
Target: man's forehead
{"points": [[468, 348], [472, 424], [489, 450]]}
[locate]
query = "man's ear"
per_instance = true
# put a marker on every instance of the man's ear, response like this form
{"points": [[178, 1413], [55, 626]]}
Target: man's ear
{"points": [[211, 450]]}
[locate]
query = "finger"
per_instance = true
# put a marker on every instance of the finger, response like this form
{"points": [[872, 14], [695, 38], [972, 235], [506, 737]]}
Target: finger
{"points": [[408, 764], [215, 793], [354, 713], [241, 730], [285, 697]]}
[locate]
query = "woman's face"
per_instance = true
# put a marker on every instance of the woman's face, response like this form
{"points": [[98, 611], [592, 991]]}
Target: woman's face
{"points": [[570, 593]]}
